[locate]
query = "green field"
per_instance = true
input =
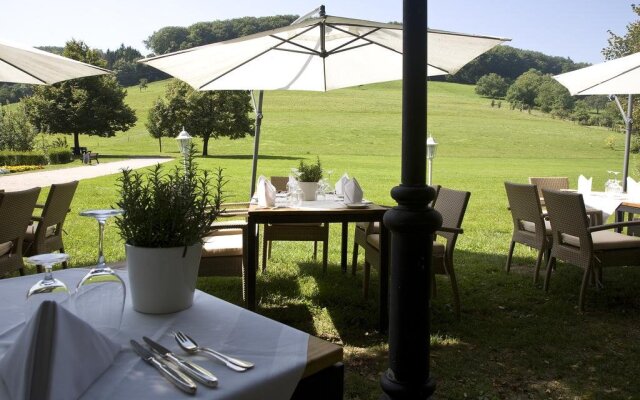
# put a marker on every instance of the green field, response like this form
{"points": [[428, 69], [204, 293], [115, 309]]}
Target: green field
{"points": [[514, 340]]}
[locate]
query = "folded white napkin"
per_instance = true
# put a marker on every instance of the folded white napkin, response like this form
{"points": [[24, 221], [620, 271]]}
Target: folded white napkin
{"points": [[633, 188], [584, 184], [352, 192], [340, 184], [57, 356], [266, 193]]}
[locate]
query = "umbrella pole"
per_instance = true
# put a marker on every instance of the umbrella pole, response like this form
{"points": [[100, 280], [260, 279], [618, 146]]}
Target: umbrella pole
{"points": [[256, 140], [628, 122], [412, 224]]}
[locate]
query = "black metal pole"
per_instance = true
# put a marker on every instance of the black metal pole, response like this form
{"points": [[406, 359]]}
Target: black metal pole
{"points": [[256, 142], [412, 224], [628, 122]]}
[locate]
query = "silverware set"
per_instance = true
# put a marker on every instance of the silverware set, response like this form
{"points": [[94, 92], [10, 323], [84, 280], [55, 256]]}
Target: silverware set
{"points": [[181, 372]]}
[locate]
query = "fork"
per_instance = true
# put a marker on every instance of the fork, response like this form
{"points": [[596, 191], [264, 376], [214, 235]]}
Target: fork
{"points": [[190, 346]]}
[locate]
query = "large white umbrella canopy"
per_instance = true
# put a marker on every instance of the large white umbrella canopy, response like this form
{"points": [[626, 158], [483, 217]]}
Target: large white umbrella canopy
{"points": [[22, 64], [318, 54], [619, 76]]}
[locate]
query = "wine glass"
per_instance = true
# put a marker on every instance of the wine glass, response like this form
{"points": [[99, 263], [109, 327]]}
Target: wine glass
{"points": [[48, 288], [608, 184], [328, 187], [101, 293], [616, 186]]}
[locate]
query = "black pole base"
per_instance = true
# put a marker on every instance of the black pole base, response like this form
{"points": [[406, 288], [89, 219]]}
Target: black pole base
{"points": [[399, 391]]}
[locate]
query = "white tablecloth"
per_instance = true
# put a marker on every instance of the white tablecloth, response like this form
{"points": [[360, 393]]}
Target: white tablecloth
{"points": [[607, 203], [278, 351]]}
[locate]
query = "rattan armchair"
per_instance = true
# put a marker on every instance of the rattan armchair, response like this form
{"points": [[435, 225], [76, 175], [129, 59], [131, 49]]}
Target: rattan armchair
{"points": [[548, 182], [529, 224], [302, 232], [589, 247], [452, 205], [44, 235], [15, 214]]}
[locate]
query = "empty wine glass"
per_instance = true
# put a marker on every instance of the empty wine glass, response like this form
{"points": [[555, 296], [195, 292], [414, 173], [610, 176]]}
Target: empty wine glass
{"points": [[328, 187], [48, 288], [608, 184], [101, 293]]}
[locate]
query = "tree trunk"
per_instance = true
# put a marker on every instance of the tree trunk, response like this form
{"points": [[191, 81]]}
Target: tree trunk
{"points": [[160, 143], [76, 142], [205, 145]]}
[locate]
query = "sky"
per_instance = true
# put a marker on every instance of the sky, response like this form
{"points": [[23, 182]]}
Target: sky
{"points": [[568, 28]]}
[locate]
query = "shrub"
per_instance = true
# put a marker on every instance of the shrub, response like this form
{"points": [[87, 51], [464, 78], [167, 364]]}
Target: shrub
{"points": [[22, 158], [59, 155], [492, 85], [635, 144], [16, 133], [610, 142]]}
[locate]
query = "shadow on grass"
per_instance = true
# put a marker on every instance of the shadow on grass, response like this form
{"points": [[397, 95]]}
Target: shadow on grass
{"points": [[250, 157], [134, 156]]}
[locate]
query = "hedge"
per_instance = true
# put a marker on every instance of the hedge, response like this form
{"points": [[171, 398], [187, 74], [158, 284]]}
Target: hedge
{"points": [[56, 156]]}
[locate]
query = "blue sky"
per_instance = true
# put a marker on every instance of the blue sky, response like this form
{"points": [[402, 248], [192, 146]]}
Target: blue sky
{"points": [[567, 28]]}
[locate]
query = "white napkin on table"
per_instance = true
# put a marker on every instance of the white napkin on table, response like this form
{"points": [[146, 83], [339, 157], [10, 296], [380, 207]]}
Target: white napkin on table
{"points": [[266, 193], [352, 192], [584, 184], [57, 356], [340, 184], [633, 188]]}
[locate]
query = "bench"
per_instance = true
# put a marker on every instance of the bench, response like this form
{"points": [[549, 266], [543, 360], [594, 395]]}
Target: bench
{"points": [[87, 156]]}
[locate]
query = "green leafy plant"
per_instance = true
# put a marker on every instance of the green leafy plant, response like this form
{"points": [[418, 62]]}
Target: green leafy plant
{"points": [[310, 172], [168, 210]]}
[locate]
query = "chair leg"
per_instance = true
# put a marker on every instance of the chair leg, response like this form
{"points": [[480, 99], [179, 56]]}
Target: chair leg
{"points": [[448, 265], [509, 255], [365, 281], [65, 264], [547, 277], [325, 255], [265, 245], [354, 259], [315, 251], [583, 287], [21, 270], [269, 248], [538, 263]]}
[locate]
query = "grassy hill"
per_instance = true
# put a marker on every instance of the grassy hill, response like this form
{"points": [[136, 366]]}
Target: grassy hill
{"points": [[514, 340]]}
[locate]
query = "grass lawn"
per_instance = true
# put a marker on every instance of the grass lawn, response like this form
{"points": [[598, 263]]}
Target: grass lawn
{"points": [[514, 341]]}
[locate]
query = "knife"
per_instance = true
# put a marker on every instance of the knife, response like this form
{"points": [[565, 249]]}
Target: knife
{"points": [[193, 370], [179, 379]]}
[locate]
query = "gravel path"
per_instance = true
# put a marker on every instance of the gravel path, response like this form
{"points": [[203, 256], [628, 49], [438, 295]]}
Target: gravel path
{"points": [[13, 182]]}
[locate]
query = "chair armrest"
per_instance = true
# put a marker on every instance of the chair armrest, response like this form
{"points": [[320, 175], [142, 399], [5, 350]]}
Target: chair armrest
{"points": [[448, 229], [228, 225], [39, 205], [36, 218], [612, 226]]}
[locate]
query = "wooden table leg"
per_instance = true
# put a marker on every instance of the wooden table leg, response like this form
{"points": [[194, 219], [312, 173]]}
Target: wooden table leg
{"points": [[345, 244], [250, 280], [384, 278]]}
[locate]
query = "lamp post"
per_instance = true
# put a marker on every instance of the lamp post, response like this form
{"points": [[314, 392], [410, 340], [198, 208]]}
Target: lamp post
{"points": [[432, 146], [184, 145]]}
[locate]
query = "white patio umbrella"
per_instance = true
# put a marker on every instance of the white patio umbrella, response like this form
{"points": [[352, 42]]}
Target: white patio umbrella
{"points": [[619, 76], [22, 64], [314, 53]]}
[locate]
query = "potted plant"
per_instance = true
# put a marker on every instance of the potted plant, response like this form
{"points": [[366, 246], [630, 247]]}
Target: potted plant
{"points": [[165, 217], [308, 179]]}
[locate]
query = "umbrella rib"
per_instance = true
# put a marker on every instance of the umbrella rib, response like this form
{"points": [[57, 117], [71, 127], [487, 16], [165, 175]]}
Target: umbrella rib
{"points": [[23, 71], [356, 37]]}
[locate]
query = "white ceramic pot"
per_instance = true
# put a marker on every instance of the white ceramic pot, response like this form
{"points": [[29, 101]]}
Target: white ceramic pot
{"points": [[309, 190], [162, 280]]}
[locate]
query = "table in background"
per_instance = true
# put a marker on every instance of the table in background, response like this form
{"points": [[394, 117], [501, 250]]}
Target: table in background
{"points": [[212, 322], [327, 211]]}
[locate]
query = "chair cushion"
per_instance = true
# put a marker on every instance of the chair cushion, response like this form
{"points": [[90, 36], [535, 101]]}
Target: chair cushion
{"points": [[531, 227], [374, 229], [31, 231], [374, 240], [438, 249], [605, 240], [221, 244], [5, 247]]}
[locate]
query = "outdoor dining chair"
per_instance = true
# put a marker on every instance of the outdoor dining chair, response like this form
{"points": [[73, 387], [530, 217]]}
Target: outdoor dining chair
{"points": [[589, 247], [44, 235], [529, 225], [548, 182], [452, 205], [363, 229], [305, 232], [15, 214]]}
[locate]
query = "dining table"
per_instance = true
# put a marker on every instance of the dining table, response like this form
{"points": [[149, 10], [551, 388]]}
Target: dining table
{"points": [[288, 363], [332, 209]]}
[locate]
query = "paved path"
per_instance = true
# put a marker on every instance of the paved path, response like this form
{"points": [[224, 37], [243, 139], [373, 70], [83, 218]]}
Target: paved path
{"points": [[12, 182]]}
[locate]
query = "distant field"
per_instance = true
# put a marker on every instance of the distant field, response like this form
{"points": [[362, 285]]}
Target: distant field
{"points": [[514, 340]]}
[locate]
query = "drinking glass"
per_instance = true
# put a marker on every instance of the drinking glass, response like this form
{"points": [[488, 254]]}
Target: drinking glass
{"points": [[320, 191], [616, 186], [608, 184], [101, 293], [328, 188], [48, 288]]}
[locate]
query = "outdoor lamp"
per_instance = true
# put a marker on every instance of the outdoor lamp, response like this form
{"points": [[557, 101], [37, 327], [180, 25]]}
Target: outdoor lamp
{"points": [[432, 145], [184, 142]]}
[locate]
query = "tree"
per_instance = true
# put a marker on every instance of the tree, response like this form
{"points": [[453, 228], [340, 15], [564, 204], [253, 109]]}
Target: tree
{"points": [[142, 84], [597, 102], [581, 112], [553, 96], [492, 85], [93, 105], [206, 114], [524, 90], [16, 133]]}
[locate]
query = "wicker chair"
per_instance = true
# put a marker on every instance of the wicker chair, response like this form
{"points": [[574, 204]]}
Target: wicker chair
{"points": [[15, 213], [529, 225], [451, 204], [588, 247], [363, 229], [549, 182], [303, 232], [44, 235]]}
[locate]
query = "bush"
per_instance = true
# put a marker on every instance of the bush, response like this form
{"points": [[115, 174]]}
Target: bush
{"points": [[635, 144], [22, 158], [59, 155], [610, 142], [492, 85], [16, 133]]}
